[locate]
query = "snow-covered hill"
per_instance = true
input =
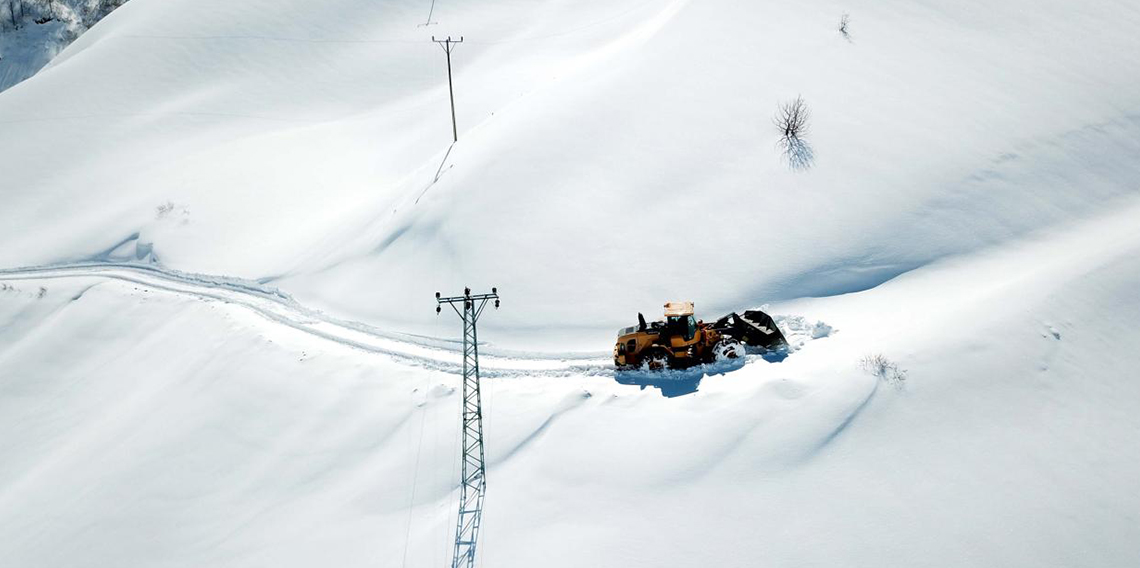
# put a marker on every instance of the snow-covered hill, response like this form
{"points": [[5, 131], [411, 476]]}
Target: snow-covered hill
{"points": [[238, 212], [631, 143]]}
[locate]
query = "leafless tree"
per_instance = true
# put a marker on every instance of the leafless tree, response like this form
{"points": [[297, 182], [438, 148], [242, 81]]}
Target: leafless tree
{"points": [[792, 120], [843, 29], [44, 11], [98, 10], [12, 12]]}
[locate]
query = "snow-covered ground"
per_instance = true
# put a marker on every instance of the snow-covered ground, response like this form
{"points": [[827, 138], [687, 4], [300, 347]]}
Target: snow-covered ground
{"points": [[224, 223]]}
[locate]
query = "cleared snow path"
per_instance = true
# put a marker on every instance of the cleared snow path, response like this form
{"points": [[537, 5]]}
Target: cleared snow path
{"points": [[281, 308]]}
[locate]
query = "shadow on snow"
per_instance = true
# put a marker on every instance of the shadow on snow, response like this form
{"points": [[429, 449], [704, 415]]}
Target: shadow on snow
{"points": [[680, 382]]}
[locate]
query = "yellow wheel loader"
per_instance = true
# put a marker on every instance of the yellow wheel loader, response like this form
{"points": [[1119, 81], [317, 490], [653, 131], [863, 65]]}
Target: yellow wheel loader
{"points": [[681, 341]]}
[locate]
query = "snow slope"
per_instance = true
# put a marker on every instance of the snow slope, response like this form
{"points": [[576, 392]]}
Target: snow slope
{"points": [[238, 212], [135, 441], [629, 140]]}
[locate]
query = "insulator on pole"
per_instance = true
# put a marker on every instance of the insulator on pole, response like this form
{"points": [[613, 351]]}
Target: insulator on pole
{"points": [[496, 304], [437, 295], [438, 309]]}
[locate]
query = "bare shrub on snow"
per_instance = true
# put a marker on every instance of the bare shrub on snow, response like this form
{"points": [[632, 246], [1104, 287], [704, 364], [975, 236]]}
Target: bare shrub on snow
{"points": [[168, 209], [844, 21], [163, 210], [792, 119], [879, 366], [40, 294]]}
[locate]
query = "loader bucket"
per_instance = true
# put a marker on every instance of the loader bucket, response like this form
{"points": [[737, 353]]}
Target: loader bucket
{"points": [[754, 328]]}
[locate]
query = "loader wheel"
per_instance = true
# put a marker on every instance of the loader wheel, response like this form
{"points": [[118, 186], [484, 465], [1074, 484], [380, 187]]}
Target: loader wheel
{"points": [[728, 349], [657, 360]]}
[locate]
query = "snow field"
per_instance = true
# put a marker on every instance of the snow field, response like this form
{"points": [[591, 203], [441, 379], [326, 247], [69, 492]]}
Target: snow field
{"points": [[236, 214]]}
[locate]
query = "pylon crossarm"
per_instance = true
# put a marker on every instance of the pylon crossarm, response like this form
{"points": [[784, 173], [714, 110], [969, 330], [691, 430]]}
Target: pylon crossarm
{"points": [[460, 299]]}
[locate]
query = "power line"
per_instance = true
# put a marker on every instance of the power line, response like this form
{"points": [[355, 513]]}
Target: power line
{"points": [[288, 39], [297, 39], [430, 12], [415, 478]]}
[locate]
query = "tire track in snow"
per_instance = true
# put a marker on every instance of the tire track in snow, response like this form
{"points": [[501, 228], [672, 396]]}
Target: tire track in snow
{"points": [[279, 307]]}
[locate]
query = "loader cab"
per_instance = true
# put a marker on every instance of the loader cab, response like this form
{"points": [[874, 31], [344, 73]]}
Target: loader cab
{"points": [[684, 326], [680, 321]]}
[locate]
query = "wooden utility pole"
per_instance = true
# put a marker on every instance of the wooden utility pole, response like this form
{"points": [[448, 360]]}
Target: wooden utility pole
{"points": [[447, 45]]}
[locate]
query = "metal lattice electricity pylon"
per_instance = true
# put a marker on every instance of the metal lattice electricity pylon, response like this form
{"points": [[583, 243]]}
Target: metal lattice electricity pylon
{"points": [[473, 479]]}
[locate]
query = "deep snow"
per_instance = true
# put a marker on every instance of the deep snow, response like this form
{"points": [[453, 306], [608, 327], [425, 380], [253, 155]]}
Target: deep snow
{"points": [[269, 382], [630, 142], [184, 431]]}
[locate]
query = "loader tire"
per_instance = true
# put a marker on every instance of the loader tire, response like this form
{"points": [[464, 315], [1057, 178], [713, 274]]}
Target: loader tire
{"points": [[657, 359], [728, 349]]}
